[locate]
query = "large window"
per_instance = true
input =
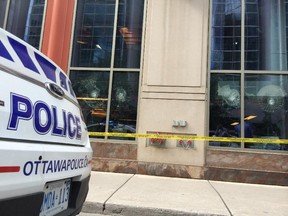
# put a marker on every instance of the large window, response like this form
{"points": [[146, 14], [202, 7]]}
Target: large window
{"points": [[248, 72], [105, 63], [23, 18]]}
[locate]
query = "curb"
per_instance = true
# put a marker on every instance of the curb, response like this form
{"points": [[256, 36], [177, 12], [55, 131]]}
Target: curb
{"points": [[115, 209]]}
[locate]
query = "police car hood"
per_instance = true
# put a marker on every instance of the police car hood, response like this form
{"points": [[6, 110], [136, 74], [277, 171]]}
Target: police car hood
{"points": [[37, 102]]}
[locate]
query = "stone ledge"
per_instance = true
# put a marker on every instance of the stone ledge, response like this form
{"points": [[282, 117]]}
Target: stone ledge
{"points": [[114, 150], [115, 165], [170, 170], [253, 161], [146, 168], [246, 176]]}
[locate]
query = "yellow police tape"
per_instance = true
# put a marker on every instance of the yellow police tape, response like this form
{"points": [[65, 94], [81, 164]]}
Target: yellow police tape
{"points": [[191, 137]]}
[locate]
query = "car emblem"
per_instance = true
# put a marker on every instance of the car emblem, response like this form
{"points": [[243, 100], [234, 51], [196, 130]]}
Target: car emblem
{"points": [[55, 90]]}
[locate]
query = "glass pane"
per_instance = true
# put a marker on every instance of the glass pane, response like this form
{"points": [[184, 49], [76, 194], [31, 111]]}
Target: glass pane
{"points": [[226, 35], [129, 34], [224, 107], [265, 35], [266, 109], [93, 33], [124, 102], [25, 20], [3, 4], [91, 89]]}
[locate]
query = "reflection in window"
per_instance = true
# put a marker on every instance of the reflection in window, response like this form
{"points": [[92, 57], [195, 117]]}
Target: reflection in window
{"points": [[3, 5], [265, 35], [91, 89], [93, 37], [123, 112], [93, 34], [25, 20], [266, 104], [226, 35], [129, 33], [224, 107]]}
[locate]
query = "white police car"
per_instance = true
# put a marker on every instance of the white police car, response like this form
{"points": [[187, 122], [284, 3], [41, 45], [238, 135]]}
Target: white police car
{"points": [[45, 153]]}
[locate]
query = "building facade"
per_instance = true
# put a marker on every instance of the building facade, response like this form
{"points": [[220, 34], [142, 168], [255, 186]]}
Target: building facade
{"points": [[178, 67]]}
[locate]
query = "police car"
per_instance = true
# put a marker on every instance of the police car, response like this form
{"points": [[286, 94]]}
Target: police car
{"points": [[45, 153]]}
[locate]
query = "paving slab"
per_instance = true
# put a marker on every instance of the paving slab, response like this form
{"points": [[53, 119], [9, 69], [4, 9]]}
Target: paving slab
{"points": [[149, 195], [102, 186], [253, 199], [128, 194]]}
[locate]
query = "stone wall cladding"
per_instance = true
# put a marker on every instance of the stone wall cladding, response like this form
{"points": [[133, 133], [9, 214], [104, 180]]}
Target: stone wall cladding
{"points": [[271, 162], [221, 165], [247, 167], [246, 176], [114, 150]]}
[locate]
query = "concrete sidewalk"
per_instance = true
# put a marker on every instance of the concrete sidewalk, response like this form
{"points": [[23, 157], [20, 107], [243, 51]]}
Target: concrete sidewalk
{"points": [[130, 195]]}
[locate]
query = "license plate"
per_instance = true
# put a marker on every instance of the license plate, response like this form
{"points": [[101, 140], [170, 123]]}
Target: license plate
{"points": [[56, 197]]}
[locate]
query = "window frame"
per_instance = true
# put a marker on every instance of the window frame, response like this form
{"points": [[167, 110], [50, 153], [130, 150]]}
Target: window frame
{"points": [[242, 73], [111, 69], [43, 20]]}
